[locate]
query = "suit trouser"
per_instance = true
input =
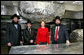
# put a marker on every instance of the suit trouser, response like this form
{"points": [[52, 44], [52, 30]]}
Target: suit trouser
{"points": [[54, 42], [9, 47], [57, 42], [28, 44], [42, 43]]}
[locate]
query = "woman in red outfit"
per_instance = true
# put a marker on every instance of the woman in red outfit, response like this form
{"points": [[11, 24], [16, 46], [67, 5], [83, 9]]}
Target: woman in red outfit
{"points": [[42, 34]]}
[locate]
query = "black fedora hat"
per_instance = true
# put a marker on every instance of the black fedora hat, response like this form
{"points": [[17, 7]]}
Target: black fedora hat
{"points": [[15, 15], [28, 21], [57, 17]]}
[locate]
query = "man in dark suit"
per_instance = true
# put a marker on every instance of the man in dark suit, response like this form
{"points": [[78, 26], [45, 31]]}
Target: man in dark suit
{"points": [[59, 33], [13, 32], [29, 34]]}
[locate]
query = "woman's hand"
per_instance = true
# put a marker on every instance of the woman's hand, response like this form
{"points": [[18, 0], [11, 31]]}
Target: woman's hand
{"points": [[47, 44]]}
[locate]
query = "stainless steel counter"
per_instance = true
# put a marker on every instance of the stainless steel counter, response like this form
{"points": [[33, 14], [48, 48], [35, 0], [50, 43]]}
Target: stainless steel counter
{"points": [[73, 48]]}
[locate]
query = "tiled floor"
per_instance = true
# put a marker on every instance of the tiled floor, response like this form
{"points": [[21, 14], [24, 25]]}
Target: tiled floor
{"points": [[4, 49]]}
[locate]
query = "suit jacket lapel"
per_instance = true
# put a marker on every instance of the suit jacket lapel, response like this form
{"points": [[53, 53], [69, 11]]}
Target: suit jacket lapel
{"points": [[14, 28], [31, 31], [59, 32], [54, 31], [27, 31]]}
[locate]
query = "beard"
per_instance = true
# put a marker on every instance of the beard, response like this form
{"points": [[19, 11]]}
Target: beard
{"points": [[15, 22], [58, 24]]}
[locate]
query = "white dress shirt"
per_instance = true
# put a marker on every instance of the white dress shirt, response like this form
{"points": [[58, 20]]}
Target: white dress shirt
{"points": [[16, 25]]}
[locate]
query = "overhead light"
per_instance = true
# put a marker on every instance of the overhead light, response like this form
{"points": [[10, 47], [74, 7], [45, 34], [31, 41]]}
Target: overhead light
{"points": [[60, 1], [78, 2]]}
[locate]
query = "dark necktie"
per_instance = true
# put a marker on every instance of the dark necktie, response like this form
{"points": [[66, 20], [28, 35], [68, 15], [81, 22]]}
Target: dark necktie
{"points": [[56, 33], [30, 30]]}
